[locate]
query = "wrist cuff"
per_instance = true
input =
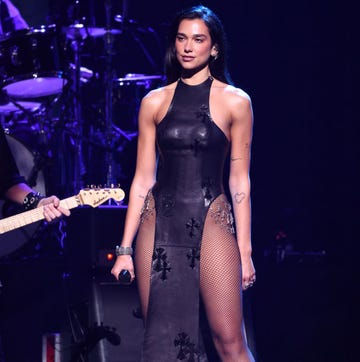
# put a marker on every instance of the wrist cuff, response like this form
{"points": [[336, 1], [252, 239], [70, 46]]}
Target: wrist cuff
{"points": [[123, 250], [32, 200]]}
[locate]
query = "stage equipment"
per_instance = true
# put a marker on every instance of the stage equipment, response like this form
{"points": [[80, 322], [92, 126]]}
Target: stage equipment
{"points": [[32, 62], [14, 108], [76, 86], [102, 313], [110, 102], [77, 33]]}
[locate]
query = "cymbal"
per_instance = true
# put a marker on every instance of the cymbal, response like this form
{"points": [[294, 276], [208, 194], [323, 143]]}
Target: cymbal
{"points": [[75, 32], [80, 31], [134, 78], [131, 23], [98, 32]]}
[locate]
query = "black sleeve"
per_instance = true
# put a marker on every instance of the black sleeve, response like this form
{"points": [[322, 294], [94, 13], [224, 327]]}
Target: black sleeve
{"points": [[9, 173], [10, 17]]}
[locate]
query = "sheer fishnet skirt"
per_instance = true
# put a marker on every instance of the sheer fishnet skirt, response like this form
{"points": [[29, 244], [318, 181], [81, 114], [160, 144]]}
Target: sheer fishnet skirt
{"points": [[220, 275], [220, 269], [144, 251]]}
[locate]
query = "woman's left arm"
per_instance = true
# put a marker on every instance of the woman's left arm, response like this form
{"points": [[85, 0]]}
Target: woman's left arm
{"points": [[239, 179]]}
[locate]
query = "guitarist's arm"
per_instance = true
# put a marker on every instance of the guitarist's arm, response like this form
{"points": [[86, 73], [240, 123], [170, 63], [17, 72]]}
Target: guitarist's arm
{"points": [[14, 188], [23, 194]]}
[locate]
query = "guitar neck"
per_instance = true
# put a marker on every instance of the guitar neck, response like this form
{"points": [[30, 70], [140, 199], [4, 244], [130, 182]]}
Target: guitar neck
{"points": [[31, 216]]}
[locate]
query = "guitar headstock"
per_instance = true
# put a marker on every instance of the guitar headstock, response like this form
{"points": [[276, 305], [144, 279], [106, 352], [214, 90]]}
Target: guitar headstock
{"points": [[97, 196]]}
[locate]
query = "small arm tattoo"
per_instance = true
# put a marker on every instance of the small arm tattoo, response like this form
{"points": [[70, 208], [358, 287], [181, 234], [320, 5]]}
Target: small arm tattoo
{"points": [[245, 153], [239, 197], [236, 158], [142, 197]]}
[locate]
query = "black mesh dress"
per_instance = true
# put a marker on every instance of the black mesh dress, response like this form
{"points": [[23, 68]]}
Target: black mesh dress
{"points": [[186, 246]]}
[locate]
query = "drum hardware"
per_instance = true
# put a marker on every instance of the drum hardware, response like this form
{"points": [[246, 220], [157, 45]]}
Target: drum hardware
{"points": [[12, 110], [101, 32], [111, 129], [105, 141], [127, 135], [93, 126], [134, 25], [35, 116], [18, 106], [86, 74], [127, 94], [137, 79], [131, 23], [20, 115], [109, 141], [14, 106], [77, 33]]}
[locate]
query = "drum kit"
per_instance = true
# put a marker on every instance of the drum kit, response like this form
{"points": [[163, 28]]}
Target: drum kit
{"points": [[69, 124], [46, 89]]}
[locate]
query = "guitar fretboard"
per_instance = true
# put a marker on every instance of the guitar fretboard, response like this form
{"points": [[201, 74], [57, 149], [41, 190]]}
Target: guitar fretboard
{"points": [[31, 216]]}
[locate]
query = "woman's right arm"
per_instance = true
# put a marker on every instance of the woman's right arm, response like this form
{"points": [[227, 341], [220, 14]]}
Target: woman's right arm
{"points": [[143, 180]]}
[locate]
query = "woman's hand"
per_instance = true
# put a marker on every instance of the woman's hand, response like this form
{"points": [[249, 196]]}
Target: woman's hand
{"points": [[52, 208], [248, 272], [123, 262]]}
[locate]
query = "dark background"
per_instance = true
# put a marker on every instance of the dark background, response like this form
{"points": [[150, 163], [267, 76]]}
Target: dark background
{"points": [[299, 63]]}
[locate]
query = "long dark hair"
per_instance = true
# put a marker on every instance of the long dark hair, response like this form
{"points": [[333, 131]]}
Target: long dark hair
{"points": [[218, 65]]}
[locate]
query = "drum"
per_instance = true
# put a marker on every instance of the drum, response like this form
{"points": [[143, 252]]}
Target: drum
{"points": [[25, 159], [13, 108], [127, 94], [18, 113], [32, 63]]}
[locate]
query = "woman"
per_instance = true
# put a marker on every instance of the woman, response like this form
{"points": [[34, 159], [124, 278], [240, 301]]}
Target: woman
{"points": [[186, 247]]}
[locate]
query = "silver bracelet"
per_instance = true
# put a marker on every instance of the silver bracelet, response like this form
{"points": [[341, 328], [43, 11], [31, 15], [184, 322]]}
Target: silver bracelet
{"points": [[123, 250]]}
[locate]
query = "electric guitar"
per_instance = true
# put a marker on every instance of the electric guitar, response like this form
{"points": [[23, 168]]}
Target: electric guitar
{"points": [[91, 197]]}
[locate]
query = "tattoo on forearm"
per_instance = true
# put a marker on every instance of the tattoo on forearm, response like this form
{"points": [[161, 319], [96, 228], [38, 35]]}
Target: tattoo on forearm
{"points": [[239, 197], [244, 153]]}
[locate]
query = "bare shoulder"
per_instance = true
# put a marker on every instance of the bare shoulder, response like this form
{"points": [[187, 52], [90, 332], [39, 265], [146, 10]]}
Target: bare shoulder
{"points": [[159, 95], [157, 101], [234, 102], [231, 95]]}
